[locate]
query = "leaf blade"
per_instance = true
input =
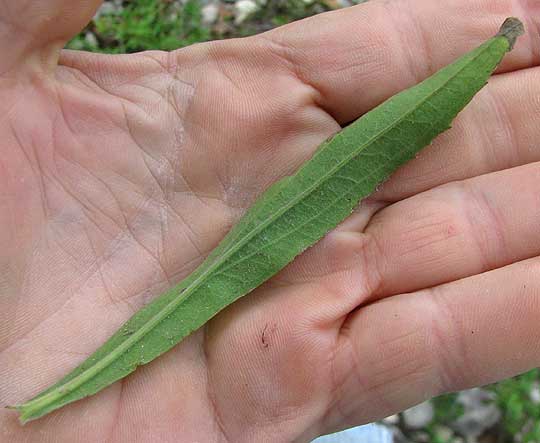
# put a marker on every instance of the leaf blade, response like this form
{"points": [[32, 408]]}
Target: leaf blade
{"points": [[289, 217]]}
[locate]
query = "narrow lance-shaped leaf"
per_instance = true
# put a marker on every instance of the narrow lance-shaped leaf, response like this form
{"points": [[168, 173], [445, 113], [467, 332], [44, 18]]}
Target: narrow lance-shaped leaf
{"points": [[289, 217]]}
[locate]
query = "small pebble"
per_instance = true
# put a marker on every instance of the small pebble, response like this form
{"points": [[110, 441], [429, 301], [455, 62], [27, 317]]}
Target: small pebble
{"points": [[475, 421], [91, 39], [391, 420], [210, 13], [419, 416], [535, 394], [244, 9]]}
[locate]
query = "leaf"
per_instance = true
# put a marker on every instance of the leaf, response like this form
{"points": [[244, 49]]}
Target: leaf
{"points": [[289, 217]]}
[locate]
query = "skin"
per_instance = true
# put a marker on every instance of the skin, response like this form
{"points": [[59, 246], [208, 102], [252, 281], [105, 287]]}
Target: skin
{"points": [[118, 174]]}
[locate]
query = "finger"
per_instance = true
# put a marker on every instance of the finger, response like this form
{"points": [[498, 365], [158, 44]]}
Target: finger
{"points": [[32, 32], [405, 349], [358, 57], [498, 130], [455, 231]]}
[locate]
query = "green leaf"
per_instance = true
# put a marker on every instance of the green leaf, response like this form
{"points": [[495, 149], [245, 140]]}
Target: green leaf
{"points": [[289, 217]]}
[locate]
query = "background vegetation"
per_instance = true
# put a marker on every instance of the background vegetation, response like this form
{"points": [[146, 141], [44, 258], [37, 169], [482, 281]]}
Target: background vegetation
{"points": [[130, 26]]}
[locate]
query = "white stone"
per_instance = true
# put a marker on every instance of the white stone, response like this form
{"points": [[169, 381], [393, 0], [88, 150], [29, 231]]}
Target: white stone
{"points": [[109, 8], [419, 416], [210, 13], [91, 39], [479, 415], [474, 423], [391, 420], [474, 398], [243, 9], [535, 394]]}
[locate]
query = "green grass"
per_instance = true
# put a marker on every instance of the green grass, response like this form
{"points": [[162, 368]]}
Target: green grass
{"points": [[520, 413], [162, 24], [145, 24]]}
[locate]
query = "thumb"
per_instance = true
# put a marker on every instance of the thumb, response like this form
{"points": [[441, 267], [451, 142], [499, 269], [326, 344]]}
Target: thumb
{"points": [[32, 32]]}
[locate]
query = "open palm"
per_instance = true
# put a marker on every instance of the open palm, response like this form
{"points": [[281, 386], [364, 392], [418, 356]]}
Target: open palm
{"points": [[119, 174]]}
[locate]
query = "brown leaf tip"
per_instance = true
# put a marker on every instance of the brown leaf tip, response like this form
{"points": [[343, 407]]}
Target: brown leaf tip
{"points": [[511, 29]]}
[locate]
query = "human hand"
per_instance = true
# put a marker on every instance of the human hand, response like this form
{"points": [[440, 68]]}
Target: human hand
{"points": [[120, 173]]}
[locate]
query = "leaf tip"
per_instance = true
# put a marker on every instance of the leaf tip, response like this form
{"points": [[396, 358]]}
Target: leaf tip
{"points": [[511, 29]]}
